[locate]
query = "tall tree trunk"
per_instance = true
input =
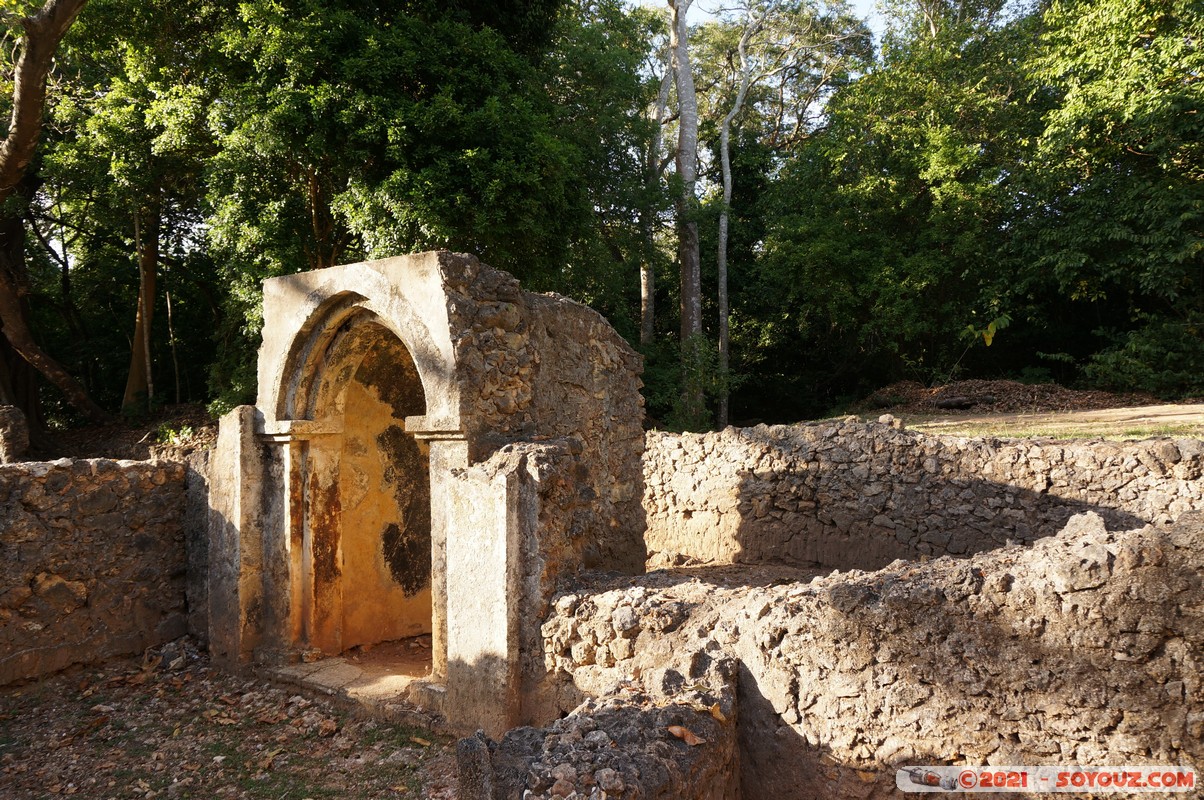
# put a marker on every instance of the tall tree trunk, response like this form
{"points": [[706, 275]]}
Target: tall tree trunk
{"points": [[171, 339], [13, 320], [18, 380], [652, 177], [43, 32], [725, 160], [139, 385], [721, 271], [687, 206]]}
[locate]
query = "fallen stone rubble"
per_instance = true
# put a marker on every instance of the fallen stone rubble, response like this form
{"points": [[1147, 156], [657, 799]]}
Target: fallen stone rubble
{"points": [[677, 740]]}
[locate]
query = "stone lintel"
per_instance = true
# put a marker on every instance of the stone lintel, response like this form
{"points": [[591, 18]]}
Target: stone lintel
{"points": [[433, 430], [289, 430]]}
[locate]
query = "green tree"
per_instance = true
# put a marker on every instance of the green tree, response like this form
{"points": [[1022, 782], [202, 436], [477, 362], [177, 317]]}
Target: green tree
{"points": [[346, 132], [597, 79], [41, 32], [1114, 197], [125, 166], [782, 58], [885, 238], [692, 408]]}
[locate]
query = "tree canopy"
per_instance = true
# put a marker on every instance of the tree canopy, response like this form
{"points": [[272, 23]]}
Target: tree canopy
{"points": [[994, 189]]}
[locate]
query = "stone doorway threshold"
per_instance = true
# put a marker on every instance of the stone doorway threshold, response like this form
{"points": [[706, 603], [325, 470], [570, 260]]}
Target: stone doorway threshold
{"points": [[382, 681]]}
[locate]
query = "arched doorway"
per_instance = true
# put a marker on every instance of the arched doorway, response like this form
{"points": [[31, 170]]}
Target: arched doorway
{"points": [[367, 481]]}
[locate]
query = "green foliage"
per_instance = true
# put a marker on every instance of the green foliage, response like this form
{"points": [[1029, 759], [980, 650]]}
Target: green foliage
{"points": [[174, 436], [351, 135], [987, 334], [883, 235], [1164, 356], [595, 77], [1042, 169], [124, 146], [1116, 190], [662, 381], [1039, 169]]}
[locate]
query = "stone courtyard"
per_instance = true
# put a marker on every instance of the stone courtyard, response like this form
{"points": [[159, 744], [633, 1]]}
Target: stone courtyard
{"points": [[443, 509]]}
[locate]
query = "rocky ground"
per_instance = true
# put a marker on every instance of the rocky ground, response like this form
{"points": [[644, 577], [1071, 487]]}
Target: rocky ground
{"points": [[167, 726]]}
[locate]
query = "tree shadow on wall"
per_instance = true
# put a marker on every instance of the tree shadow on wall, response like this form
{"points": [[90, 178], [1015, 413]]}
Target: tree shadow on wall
{"points": [[839, 508], [963, 662]]}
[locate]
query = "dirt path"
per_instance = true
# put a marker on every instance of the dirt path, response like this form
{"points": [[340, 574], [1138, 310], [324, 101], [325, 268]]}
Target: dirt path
{"points": [[1137, 422]]}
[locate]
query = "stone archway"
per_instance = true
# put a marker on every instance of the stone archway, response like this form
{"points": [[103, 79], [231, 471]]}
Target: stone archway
{"points": [[367, 514], [422, 405]]}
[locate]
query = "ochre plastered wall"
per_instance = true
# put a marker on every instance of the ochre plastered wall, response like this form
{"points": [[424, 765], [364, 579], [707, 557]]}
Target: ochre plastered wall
{"points": [[385, 525]]}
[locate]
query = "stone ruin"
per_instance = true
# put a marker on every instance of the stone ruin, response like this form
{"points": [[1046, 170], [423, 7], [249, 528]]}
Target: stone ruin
{"points": [[436, 453], [431, 450]]}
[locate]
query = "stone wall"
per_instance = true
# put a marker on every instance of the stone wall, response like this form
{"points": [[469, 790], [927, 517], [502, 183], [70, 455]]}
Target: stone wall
{"points": [[1084, 648], [545, 366], [849, 494], [92, 562]]}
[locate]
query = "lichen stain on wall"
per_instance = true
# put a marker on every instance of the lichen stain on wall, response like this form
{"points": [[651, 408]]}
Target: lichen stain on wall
{"points": [[407, 544]]}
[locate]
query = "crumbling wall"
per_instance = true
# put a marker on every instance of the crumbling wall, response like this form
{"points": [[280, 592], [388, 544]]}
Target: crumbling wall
{"points": [[849, 494], [545, 366], [1086, 647], [528, 518], [92, 562], [633, 745]]}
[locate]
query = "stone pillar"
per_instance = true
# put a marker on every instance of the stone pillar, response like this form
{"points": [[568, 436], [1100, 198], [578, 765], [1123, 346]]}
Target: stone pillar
{"points": [[448, 453], [483, 586], [289, 613], [235, 540]]}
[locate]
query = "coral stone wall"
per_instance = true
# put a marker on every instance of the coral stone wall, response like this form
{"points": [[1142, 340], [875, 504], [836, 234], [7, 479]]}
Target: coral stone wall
{"points": [[1084, 648], [849, 494], [92, 562], [545, 366]]}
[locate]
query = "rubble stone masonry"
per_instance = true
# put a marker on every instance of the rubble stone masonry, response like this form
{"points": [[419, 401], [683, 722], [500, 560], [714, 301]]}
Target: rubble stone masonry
{"points": [[850, 494], [92, 562], [1084, 648]]}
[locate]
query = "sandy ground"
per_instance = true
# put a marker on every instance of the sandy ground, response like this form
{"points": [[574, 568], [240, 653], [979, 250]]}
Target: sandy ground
{"points": [[1132, 422]]}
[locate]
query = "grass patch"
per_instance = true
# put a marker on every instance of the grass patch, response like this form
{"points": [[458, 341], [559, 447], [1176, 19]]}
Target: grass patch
{"points": [[277, 785]]}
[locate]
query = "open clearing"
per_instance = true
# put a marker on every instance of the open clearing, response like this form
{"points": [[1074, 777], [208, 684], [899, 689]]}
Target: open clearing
{"points": [[1138, 422]]}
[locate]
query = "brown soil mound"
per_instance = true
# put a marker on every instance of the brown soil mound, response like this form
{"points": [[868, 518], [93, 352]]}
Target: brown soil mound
{"points": [[981, 396], [173, 432]]}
